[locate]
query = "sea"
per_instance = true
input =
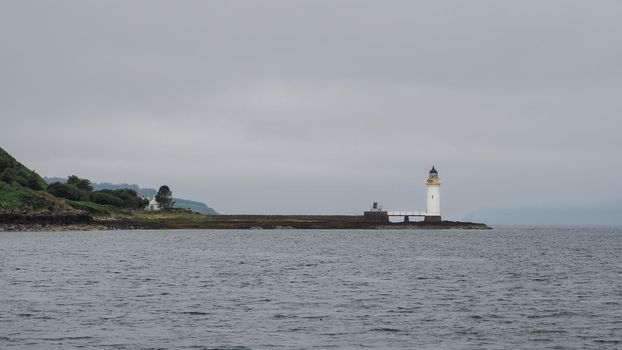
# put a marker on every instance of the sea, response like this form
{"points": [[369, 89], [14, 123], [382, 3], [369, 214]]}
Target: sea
{"points": [[512, 287]]}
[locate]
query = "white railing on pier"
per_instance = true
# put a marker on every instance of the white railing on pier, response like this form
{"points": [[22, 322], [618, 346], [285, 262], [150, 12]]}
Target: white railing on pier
{"points": [[406, 213]]}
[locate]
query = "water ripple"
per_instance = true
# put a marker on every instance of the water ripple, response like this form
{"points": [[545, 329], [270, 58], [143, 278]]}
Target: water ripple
{"points": [[513, 287]]}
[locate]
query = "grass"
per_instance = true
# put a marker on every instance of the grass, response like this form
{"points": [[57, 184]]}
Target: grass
{"points": [[14, 197], [93, 208], [17, 172], [158, 215]]}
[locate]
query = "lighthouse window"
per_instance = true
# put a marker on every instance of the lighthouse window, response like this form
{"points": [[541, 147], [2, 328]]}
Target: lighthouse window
{"points": [[432, 196]]}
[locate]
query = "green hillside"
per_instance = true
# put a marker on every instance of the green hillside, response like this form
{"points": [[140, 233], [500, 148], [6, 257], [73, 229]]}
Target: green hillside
{"points": [[24, 191], [21, 189], [146, 192], [12, 171]]}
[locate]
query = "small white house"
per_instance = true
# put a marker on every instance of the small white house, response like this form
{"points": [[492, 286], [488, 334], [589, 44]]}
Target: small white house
{"points": [[153, 205]]}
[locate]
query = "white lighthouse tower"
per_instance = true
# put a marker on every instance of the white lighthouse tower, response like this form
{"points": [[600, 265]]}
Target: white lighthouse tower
{"points": [[433, 202]]}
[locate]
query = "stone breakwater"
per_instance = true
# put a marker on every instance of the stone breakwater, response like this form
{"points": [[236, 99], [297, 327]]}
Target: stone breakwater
{"points": [[82, 222], [317, 222]]}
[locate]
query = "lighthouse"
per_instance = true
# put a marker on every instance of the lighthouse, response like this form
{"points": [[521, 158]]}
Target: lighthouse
{"points": [[433, 202]]}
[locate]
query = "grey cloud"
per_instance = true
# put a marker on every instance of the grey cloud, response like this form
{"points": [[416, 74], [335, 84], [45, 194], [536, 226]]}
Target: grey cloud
{"points": [[320, 106]]}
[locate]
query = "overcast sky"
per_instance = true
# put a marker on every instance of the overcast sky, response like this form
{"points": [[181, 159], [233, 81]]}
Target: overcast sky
{"points": [[320, 106]]}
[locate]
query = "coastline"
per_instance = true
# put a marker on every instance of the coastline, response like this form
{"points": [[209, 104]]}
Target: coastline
{"points": [[84, 222]]}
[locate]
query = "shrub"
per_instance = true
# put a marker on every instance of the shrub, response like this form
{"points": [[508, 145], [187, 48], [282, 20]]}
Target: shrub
{"points": [[4, 162], [65, 191], [142, 202], [34, 182], [8, 175], [128, 197], [83, 184], [16, 197], [100, 197]]}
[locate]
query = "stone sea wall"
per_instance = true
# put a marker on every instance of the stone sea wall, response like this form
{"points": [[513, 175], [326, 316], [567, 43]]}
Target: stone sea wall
{"points": [[82, 221]]}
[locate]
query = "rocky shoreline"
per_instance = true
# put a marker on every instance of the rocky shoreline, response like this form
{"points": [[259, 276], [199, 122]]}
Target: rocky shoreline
{"points": [[50, 228], [47, 221]]}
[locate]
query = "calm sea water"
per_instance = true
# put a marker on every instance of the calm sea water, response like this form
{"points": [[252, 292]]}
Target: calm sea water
{"points": [[512, 287]]}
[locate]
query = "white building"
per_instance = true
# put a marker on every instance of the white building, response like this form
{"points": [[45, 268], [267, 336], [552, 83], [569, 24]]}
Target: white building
{"points": [[153, 205], [433, 202]]}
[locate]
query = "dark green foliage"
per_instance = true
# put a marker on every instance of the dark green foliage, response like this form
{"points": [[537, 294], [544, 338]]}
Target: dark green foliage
{"points": [[13, 171], [83, 184], [142, 202], [122, 198], [16, 197], [34, 183], [198, 207], [21, 189], [5, 161], [118, 197], [8, 175], [65, 191], [36, 201], [106, 199], [164, 197], [51, 180]]}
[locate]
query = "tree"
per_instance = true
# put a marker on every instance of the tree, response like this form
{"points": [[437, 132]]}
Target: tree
{"points": [[164, 197], [104, 198], [65, 191], [83, 184], [34, 181]]}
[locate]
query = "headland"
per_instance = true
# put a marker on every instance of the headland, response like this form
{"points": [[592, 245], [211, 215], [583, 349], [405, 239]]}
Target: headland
{"points": [[29, 203]]}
